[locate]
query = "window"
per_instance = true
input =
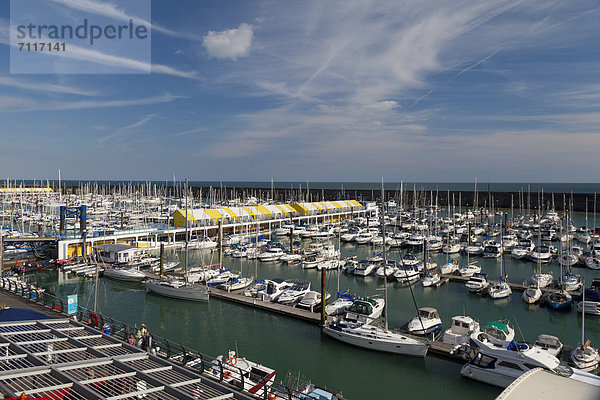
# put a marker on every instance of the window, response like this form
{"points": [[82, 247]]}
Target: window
{"points": [[509, 365]]}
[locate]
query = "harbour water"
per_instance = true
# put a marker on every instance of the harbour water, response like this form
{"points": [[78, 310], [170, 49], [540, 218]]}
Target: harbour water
{"points": [[300, 350]]}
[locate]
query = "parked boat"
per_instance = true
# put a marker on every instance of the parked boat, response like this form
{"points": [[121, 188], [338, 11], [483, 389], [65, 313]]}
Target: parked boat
{"points": [[477, 283], [425, 322], [294, 293], [247, 375], [124, 274]]}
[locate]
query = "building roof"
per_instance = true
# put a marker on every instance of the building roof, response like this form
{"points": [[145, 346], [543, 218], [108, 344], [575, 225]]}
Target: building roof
{"points": [[541, 384], [61, 358]]}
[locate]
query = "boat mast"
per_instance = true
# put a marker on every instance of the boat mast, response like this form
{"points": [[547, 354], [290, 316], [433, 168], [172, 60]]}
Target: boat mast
{"points": [[186, 232], [382, 223]]}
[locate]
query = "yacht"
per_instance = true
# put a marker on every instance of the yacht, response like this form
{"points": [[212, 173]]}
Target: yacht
{"points": [[450, 267], [273, 289], [585, 357], [532, 294], [492, 250], [548, 343], [374, 338], [541, 254], [477, 283], [500, 290], [124, 274], [178, 289], [469, 270], [343, 302], [271, 254], [294, 293], [365, 309], [406, 274], [425, 322], [364, 268], [311, 300], [245, 374], [589, 307], [431, 280], [500, 365], [460, 331]]}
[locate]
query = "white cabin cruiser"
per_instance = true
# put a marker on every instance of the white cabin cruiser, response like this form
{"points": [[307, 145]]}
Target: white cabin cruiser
{"points": [[294, 293], [425, 322]]}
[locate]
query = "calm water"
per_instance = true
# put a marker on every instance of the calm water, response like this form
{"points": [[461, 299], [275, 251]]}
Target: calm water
{"points": [[295, 347]]}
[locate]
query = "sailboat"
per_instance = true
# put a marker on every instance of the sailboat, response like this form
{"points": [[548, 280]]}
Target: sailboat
{"points": [[533, 293], [501, 289], [540, 279], [584, 356], [175, 288], [365, 335]]}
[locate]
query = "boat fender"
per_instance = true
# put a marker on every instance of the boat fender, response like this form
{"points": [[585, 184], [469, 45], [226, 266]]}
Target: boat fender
{"points": [[273, 396], [231, 361]]}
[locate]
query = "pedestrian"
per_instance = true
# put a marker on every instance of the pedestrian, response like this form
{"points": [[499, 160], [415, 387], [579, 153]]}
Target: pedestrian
{"points": [[131, 339]]}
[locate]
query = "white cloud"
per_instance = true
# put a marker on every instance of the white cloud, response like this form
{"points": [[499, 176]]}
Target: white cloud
{"points": [[230, 44], [45, 87], [112, 11], [126, 129], [20, 104]]}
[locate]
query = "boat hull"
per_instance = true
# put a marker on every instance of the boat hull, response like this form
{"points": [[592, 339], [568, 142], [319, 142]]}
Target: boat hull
{"points": [[192, 293], [392, 346]]}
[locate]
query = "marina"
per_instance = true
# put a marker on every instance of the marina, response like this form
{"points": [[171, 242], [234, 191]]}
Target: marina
{"points": [[60, 280]]}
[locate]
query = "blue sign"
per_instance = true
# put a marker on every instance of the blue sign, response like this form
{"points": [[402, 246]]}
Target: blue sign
{"points": [[72, 304]]}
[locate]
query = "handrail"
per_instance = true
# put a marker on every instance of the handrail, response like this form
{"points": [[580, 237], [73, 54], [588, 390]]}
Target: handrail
{"points": [[187, 354]]}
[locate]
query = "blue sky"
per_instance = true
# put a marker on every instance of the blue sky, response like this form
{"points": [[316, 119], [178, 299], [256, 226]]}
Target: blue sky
{"points": [[323, 91]]}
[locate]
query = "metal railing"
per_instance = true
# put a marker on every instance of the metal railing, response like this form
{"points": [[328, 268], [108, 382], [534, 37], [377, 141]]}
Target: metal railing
{"points": [[224, 371]]}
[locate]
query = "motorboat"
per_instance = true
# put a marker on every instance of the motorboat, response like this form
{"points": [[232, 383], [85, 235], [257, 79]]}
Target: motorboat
{"points": [[425, 322], [500, 365], [124, 274], [365, 309], [409, 260], [291, 258], [342, 303], [273, 289], [451, 248], [548, 343], [460, 331], [271, 254], [541, 254], [374, 338], [242, 373], [492, 250], [406, 274], [364, 268], [386, 270], [236, 283], [294, 293], [499, 332], [221, 278], [475, 249], [312, 261], [311, 300], [469, 270], [431, 280], [592, 262], [477, 283], [178, 289], [351, 234], [589, 307], [593, 292]]}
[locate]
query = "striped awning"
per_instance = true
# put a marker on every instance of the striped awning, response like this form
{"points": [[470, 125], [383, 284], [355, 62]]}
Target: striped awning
{"points": [[213, 213], [230, 212], [263, 210]]}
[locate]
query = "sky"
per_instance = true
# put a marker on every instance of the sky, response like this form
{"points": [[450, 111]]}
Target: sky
{"points": [[441, 91]]}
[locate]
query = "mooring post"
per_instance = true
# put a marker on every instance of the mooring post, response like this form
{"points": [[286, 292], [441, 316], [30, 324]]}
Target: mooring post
{"points": [[323, 294], [162, 259]]}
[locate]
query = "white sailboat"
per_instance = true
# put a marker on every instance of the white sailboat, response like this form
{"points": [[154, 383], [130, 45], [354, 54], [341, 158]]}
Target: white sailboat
{"points": [[367, 336], [176, 288]]}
